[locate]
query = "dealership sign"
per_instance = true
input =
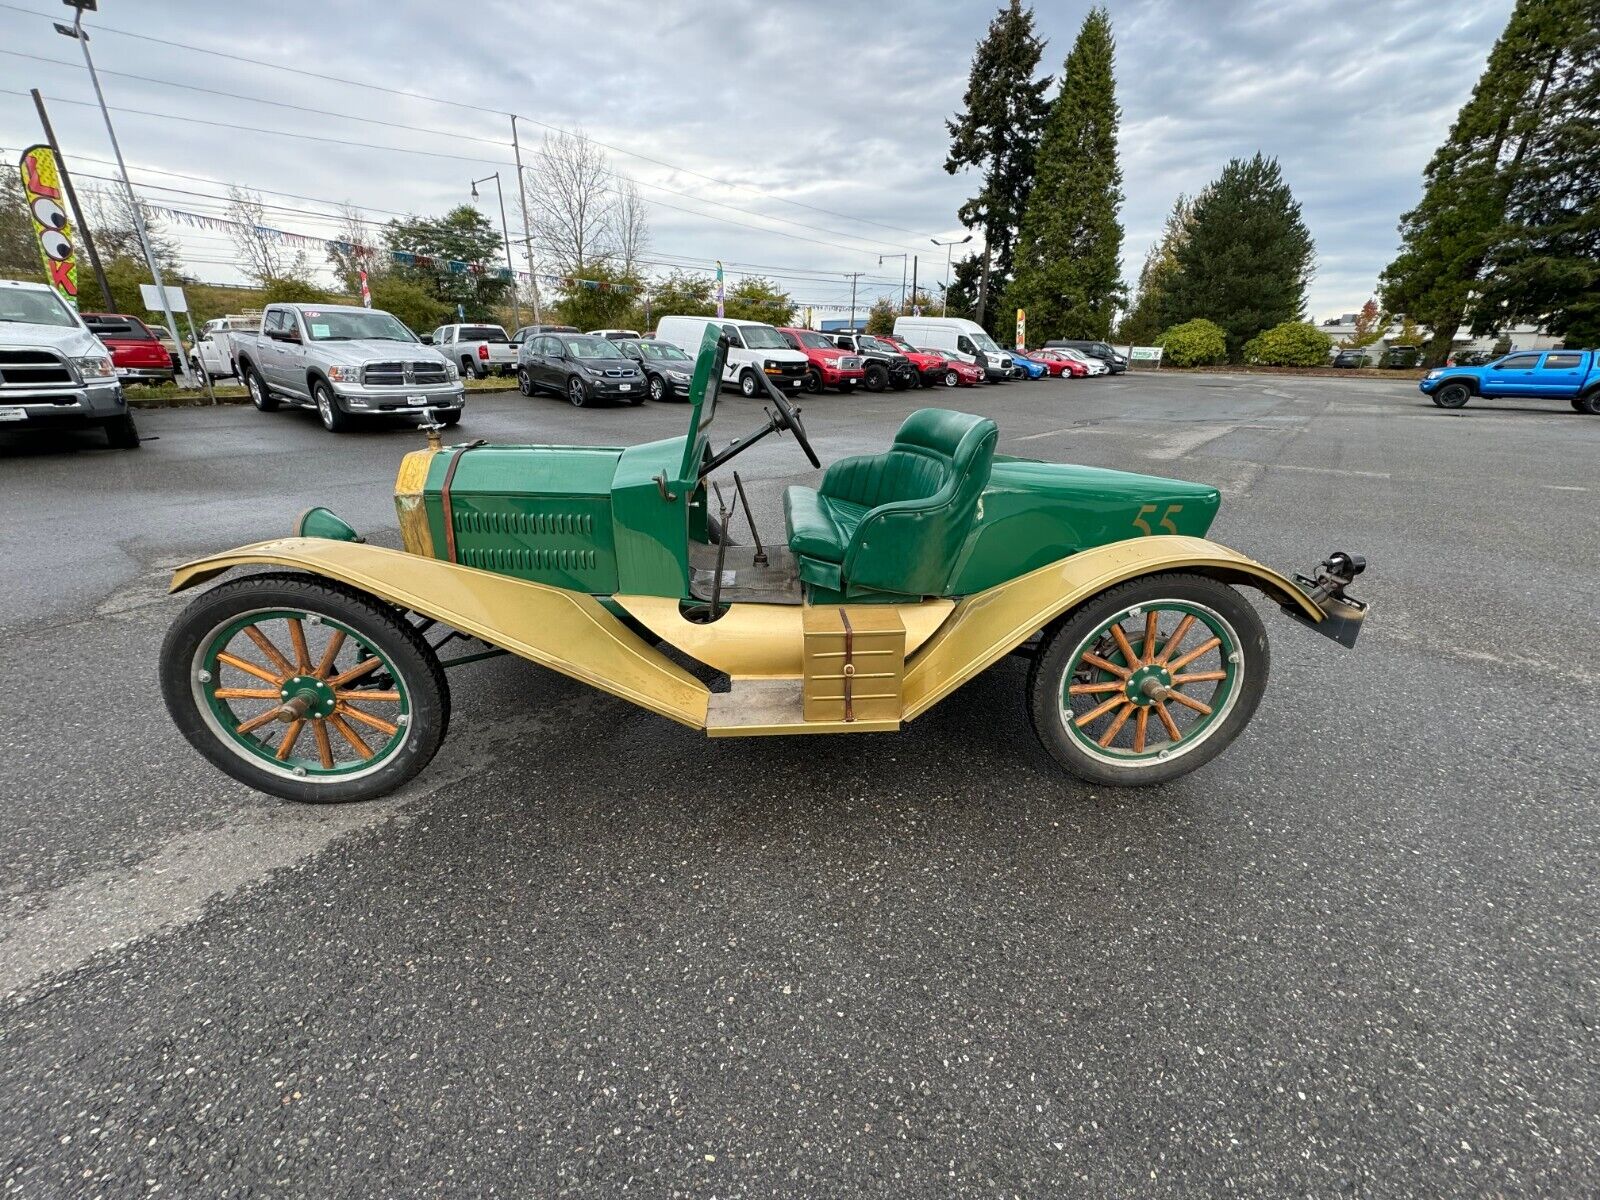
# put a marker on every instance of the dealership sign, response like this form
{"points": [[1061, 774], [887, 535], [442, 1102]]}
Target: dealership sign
{"points": [[41, 181], [1022, 329], [1149, 354]]}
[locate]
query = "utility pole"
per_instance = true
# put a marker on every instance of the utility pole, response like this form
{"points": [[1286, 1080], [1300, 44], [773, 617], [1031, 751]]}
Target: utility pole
{"points": [[516, 308], [81, 35], [852, 277], [527, 227], [913, 281], [72, 199]]}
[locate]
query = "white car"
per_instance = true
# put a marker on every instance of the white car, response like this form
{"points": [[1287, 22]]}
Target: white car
{"points": [[1096, 367]]}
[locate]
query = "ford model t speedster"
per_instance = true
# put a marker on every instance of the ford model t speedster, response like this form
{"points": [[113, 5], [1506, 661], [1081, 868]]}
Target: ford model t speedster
{"points": [[903, 575]]}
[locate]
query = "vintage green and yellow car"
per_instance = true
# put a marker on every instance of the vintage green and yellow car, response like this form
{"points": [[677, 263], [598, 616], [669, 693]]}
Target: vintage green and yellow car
{"points": [[904, 575]]}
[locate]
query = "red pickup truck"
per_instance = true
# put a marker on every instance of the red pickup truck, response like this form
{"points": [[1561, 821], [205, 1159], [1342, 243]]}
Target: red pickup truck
{"points": [[136, 355], [830, 366]]}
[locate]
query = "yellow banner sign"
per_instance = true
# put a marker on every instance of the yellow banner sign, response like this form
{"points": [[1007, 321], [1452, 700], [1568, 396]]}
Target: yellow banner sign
{"points": [[1022, 329], [41, 182]]}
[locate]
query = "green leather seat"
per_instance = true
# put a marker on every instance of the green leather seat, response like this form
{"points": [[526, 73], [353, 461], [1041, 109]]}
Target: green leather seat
{"points": [[894, 522]]}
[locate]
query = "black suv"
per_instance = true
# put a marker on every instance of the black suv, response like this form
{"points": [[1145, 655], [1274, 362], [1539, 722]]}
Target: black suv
{"points": [[1117, 362], [885, 365], [580, 368]]}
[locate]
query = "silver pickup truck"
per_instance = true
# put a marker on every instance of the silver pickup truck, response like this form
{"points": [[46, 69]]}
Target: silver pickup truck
{"points": [[477, 349], [345, 362], [54, 373]]}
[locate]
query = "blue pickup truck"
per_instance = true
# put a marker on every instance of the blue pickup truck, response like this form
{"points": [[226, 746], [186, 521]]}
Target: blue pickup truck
{"points": [[1536, 374]]}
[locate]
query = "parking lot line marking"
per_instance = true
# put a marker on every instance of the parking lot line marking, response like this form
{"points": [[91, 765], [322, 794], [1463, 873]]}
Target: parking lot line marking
{"points": [[1330, 471], [1562, 487]]}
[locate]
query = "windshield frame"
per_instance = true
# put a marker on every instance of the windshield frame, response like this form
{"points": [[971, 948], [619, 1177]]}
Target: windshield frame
{"points": [[653, 351], [575, 343]]}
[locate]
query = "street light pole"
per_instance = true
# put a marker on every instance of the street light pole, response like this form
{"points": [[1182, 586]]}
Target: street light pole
{"points": [[944, 310], [81, 35], [527, 228], [902, 259], [505, 231]]}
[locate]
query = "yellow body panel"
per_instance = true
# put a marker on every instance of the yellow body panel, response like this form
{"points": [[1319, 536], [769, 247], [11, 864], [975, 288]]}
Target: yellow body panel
{"points": [[569, 632], [761, 641], [989, 625], [409, 485]]}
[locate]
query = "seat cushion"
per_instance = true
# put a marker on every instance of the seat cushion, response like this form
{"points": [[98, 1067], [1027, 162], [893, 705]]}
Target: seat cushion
{"points": [[819, 526]]}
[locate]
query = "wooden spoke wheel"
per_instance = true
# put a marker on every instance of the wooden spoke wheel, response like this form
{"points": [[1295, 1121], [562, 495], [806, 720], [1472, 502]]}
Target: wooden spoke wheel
{"points": [[303, 688], [1149, 680]]}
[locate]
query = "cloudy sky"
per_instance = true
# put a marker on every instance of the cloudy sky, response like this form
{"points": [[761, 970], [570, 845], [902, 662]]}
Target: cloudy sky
{"points": [[800, 141]]}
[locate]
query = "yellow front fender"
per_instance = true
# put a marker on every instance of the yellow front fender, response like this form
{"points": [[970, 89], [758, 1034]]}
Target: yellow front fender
{"points": [[989, 625], [569, 632]]}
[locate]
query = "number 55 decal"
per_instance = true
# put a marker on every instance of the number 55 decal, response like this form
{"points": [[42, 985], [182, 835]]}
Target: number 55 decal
{"points": [[1165, 523]]}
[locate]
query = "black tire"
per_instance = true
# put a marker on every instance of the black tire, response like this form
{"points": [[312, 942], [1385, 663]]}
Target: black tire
{"points": [[901, 382], [450, 418], [389, 633], [1588, 403], [470, 366], [658, 388], [1452, 395], [577, 392], [950, 379], [334, 419], [524, 381], [749, 385], [260, 395], [814, 383], [1063, 642], [877, 377], [122, 433]]}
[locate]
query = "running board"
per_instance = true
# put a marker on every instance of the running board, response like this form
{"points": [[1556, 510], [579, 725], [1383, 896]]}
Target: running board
{"points": [[768, 707]]}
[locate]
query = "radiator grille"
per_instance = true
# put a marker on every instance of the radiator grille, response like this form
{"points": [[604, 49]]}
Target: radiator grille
{"points": [[33, 368], [399, 374]]}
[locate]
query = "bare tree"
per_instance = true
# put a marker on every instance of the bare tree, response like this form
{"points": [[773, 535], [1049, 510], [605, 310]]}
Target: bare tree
{"points": [[573, 201], [262, 254], [365, 239], [110, 217], [630, 225]]}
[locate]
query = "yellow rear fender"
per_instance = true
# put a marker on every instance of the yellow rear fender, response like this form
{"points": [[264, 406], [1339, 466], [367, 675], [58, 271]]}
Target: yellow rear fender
{"points": [[569, 632], [989, 625]]}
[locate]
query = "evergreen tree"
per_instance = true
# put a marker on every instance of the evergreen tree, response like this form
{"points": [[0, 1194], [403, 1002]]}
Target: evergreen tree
{"points": [[1546, 267], [1143, 324], [1448, 238], [1248, 257], [997, 133], [1069, 250]]}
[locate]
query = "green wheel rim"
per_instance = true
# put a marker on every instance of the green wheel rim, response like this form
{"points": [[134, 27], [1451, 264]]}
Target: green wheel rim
{"points": [[347, 718], [1176, 662]]}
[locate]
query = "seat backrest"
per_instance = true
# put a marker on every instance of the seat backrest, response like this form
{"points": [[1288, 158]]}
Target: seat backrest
{"points": [[923, 499]]}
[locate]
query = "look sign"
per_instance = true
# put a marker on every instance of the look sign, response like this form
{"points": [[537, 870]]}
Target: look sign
{"points": [[41, 181]]}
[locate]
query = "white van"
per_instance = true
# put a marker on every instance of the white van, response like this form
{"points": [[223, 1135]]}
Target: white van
{"points": [[959, 335], [753, 349]]}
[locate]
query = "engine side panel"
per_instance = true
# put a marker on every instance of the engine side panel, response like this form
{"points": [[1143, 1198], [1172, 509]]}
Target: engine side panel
{"points": [[1034, 513]]}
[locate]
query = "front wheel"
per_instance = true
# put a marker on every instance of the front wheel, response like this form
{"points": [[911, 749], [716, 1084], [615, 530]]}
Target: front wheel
{"points": [[122, 433], [334, 418], [1452, 395], [1148, 680], [658, 389], [304, 688], [748, 385], [577, 393], [814, 383], [950, 379], [877, 377]]}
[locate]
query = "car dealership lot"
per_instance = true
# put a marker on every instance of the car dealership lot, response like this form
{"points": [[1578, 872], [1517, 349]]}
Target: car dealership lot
{"points": [[588, 947]]}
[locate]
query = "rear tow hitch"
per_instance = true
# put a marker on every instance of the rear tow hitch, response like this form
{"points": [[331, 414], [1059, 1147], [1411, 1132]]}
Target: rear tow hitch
{"points": [[1342, 613]]}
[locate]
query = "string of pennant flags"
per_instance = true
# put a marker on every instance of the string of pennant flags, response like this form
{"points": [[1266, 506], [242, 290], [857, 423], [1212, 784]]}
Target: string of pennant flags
{"points": [[413, 258]]}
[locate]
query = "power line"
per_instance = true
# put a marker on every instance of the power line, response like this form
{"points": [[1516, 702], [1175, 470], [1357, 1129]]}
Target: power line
{"points": [[480, 109]]}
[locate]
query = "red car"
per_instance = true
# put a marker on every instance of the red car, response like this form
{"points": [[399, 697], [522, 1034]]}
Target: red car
{"points": [[933, 368], [1058, 364], [967, 374], [831, 367], [136, 355]]}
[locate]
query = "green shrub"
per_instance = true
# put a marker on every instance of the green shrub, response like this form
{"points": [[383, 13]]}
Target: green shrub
{"points": [[1291, 344], [1195, 343]]}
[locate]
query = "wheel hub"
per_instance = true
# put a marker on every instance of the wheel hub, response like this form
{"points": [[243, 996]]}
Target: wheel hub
{"points": [[320, 698], [1147, 685]]}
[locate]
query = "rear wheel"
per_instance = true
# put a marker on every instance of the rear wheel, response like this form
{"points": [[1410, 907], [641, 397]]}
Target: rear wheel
{"points": [[524, 381], [877, 377], [334, 418], [264, 400], [1452, 395], [1589, 403], [122, 433], [471, 367], [304, 688], [1149, 680]]}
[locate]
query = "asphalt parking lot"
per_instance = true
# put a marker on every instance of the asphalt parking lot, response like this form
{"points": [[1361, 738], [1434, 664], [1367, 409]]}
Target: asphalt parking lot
{"points": [[589, 952]]}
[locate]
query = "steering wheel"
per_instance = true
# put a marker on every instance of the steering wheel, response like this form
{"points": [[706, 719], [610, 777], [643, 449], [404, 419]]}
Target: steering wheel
{"points": [[789, 418]]}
